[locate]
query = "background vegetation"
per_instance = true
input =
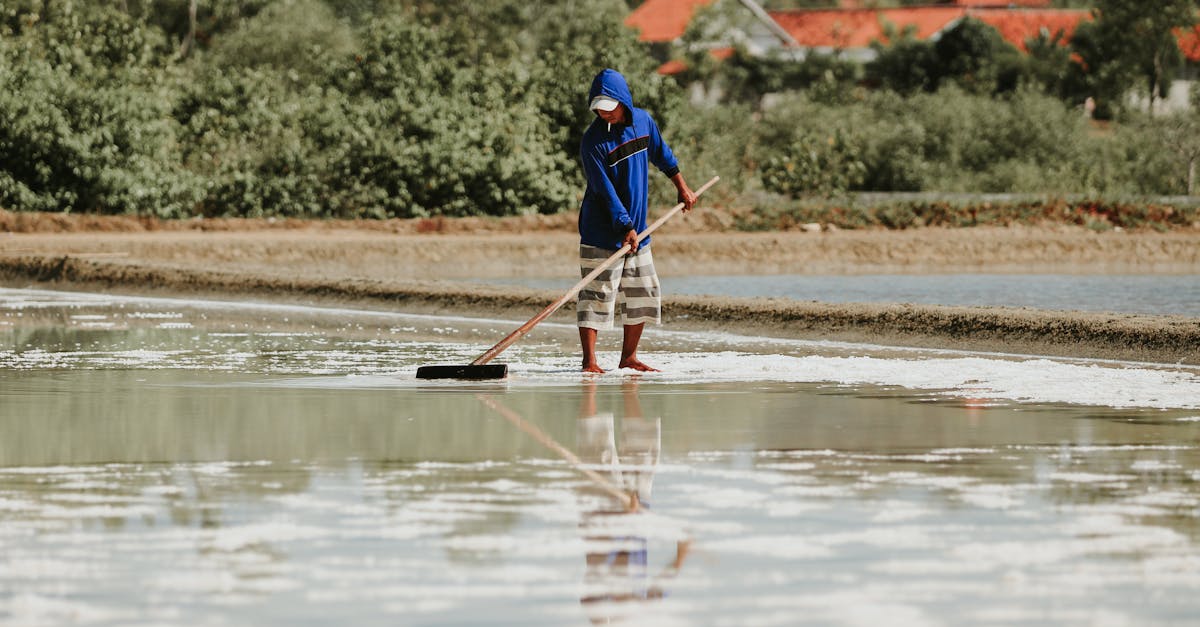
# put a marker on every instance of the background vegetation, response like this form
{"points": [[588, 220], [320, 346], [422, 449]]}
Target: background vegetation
{"points": [[376, 108]]}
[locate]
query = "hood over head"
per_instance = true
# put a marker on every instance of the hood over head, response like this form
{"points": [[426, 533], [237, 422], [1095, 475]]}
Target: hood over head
{"points": [[611, 84]]}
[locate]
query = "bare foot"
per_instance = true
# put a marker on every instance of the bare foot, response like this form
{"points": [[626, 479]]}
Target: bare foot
{"points": [[636, 364], [592, 367]]}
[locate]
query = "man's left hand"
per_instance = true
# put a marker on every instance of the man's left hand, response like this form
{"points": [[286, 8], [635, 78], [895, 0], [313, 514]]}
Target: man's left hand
{"points": [[630, 240]]}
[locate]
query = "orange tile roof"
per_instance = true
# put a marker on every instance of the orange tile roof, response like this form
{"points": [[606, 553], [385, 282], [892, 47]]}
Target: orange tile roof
{"points": [[672, 67], [675, 66], [663, 20], [1189, 43], [666, 20], [857, 28], [1018, 26], [721, 54]]}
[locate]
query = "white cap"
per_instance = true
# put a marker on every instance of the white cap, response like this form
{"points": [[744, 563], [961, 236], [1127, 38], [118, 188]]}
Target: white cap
{"points": [[603, 103]]}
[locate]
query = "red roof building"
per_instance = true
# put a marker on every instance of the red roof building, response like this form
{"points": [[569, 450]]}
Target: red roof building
{"points": [[663, 20], [851, 30], [854, 29], [1189, 43], [1018, 26]]}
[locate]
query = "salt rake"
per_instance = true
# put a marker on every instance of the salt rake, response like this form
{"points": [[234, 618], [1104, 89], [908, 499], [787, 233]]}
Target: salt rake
{"points": [[481, 370]]}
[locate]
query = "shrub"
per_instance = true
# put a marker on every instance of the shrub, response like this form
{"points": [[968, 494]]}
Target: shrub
{"points": [[708, 141], [976, 57], [85, 127], [824, 164], [302, 38], [369, 108], [904, 65]]}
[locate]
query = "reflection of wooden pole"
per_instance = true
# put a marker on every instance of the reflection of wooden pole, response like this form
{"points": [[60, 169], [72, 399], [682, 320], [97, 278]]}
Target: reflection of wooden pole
{"points": [[627, 500]]}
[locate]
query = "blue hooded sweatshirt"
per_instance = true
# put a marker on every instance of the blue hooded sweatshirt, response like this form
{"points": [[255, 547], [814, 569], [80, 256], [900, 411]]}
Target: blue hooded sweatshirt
{"points": [[615, 162]]}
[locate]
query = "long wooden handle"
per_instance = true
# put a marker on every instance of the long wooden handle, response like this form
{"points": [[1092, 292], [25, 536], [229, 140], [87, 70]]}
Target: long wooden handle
{"points": [[554, 306]]}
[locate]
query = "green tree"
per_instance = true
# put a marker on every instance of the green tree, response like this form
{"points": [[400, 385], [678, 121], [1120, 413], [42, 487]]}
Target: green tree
{"points": [[975, 56], [905, 64], [971, 54], [187, 31], [1049, 67], [815, 163], [85, 96], [303, 37], [1131, 42], [1180, 134]]}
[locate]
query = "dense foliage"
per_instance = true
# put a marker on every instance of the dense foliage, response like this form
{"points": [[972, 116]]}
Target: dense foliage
{"points": [[375, 108], [305, 108], [956, 142]]}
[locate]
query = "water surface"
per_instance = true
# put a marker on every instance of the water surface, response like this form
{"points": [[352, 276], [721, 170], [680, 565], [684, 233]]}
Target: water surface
{"points": [[1148, 294], [177, 462]]}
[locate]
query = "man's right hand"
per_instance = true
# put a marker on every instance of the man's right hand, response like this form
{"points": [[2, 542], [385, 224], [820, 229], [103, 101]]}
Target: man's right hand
{"points": [[686, 195]]}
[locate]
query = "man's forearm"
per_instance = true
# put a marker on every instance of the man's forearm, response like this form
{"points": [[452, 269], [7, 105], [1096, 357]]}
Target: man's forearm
{"points": [[678, 181]]}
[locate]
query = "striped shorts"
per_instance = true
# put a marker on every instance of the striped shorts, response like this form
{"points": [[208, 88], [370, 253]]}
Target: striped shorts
{"points": [[628, 288]]}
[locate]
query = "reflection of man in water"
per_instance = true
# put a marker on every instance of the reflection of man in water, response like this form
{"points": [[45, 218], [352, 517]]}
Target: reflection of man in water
{"points": [[615, 533]]}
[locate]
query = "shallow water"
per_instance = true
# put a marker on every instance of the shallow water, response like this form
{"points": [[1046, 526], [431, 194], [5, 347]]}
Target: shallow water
{"points": [[1147, 294], [175, 462]]}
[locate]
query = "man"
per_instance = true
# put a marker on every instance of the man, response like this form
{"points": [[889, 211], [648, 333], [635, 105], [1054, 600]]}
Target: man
{"points": [[616, 151]]}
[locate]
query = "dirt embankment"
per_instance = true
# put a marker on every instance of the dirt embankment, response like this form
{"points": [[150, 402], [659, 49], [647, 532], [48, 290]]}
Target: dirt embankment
{"points": [[405, 265], [681, 248], [1161, 339]]}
